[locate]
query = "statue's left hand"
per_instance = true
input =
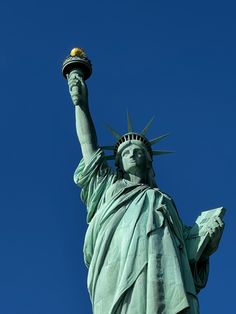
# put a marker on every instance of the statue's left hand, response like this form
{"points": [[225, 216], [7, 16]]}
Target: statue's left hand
{"points": [[215, 233]]}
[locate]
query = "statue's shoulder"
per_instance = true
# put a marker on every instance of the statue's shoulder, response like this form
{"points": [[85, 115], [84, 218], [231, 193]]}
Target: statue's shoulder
{"points": [[163, 194]]}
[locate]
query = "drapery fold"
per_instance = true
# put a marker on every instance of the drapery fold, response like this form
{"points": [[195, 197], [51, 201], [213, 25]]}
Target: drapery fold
{"points": [[134, 246]]}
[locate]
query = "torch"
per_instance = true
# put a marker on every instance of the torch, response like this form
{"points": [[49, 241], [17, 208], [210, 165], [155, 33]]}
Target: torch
{"points": [[79, 68]]}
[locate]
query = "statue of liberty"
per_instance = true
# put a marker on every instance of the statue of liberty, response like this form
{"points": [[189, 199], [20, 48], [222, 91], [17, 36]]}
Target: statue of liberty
{"points": [[141, 258]]}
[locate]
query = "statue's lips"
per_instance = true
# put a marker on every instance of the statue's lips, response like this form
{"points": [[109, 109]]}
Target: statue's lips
{"points": [[131, 161]]}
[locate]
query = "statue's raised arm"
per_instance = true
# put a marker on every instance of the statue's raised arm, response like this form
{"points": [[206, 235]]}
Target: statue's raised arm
{"points": [[77, 68], [84, 123]]}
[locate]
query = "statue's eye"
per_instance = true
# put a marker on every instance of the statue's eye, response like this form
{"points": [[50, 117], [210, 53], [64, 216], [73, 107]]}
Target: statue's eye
{"points": [[125, 153], [139, 152]]}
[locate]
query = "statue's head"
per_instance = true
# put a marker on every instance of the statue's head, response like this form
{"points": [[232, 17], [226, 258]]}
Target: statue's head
{"points": [[133, 151], [134, 158]]}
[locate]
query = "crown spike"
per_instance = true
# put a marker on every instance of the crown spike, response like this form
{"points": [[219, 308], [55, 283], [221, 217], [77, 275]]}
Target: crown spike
{"points": [[129, 122], [161, 152], [144, 131], [113, 132], [158, 139]]}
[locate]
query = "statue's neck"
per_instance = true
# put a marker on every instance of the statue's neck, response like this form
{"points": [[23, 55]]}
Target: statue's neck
{"points": [[134, 178]]}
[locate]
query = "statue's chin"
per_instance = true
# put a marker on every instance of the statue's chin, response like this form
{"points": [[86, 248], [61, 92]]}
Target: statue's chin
{"points": [[131, 168]]}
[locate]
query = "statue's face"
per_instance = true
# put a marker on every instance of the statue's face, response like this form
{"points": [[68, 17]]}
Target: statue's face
{"points": [[133, 158]]}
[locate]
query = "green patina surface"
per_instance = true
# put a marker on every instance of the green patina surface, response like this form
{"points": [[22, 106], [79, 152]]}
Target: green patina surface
{"points": [[136, 247]]}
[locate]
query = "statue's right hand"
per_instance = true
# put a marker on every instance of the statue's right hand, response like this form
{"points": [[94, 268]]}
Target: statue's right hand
{"points": [[77, 88]]}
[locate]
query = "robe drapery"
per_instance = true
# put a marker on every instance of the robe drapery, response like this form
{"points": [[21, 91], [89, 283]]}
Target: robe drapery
{"points": [[134, 246]]}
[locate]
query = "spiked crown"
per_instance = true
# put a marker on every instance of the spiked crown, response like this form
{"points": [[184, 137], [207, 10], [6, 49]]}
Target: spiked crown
{"points": [[137, 137]]}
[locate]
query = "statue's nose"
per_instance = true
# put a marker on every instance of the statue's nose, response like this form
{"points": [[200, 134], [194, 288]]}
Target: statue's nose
{"points": [[132, 154]]}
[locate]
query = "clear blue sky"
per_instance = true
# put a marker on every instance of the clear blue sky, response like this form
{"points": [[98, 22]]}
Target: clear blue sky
{"points": [[174, 59]]}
